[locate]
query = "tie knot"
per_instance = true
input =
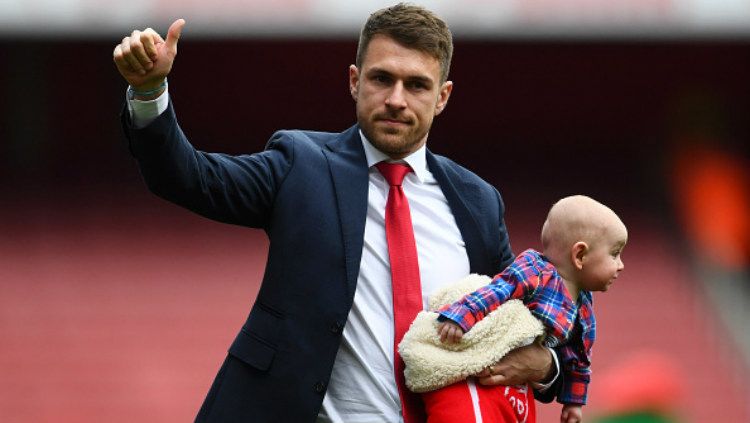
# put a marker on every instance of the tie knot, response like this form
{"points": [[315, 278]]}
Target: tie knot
{"points": [[394, 173]]}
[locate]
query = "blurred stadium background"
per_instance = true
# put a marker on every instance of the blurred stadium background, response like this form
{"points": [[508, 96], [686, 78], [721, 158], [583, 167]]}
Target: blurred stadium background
{"points": [[118, 307]]}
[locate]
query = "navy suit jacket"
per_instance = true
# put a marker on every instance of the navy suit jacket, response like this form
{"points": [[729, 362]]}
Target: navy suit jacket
{"points": [[308, 192]]}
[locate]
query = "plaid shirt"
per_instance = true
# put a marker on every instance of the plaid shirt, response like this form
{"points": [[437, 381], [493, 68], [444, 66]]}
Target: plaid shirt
{"points": [[570, 327]]}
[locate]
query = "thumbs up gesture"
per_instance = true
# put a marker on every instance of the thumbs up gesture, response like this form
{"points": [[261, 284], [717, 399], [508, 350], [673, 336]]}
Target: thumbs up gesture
{"points": [[145, 59]]}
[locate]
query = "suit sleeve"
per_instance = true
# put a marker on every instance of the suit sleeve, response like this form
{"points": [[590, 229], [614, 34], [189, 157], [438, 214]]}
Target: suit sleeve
{"points": [[555, 390], [506, 254], [232, 189]]}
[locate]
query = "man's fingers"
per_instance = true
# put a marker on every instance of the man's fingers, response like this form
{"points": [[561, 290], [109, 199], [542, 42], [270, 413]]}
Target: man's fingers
{"points": [[489, 379], [130, 57], [138, 50], [499, 375], [154, 34], [173, 35], [119, 59], [149, 38], [484, 373]]}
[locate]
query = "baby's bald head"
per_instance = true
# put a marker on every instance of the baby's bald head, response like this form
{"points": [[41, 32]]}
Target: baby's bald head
{"points": [[578, 218]]}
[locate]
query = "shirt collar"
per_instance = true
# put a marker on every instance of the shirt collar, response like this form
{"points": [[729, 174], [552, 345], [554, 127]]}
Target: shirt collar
{"points": [[416, 160]]}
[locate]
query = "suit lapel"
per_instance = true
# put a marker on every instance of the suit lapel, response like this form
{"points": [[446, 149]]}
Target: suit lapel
{"points": [[458, 193], [349, 172]]}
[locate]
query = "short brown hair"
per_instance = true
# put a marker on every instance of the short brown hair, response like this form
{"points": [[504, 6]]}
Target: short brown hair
{"points": [[413, 27]]}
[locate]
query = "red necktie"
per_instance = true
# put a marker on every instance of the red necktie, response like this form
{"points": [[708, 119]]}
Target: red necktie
{"points": [[407, 290]]}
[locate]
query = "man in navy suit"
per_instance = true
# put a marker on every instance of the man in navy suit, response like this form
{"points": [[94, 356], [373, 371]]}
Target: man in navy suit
{"points": [[318, 343]]}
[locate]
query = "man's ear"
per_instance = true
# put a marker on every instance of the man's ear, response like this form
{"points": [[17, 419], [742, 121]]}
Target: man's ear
{"points": [[353, 81], [445, 92], [578, 253]]}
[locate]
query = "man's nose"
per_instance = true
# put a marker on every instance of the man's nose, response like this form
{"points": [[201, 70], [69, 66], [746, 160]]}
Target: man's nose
{"points": [[396, 98]]}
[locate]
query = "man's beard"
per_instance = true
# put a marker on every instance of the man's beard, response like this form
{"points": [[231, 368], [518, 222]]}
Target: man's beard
{"points": [[395, 142]]}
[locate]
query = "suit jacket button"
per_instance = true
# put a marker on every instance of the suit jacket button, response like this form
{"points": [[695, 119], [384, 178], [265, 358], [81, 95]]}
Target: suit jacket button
{"points": [[320, 387], [336, 327]]}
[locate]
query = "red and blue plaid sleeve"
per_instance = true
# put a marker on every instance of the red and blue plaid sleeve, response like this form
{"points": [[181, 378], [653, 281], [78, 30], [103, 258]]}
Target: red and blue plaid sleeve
{"points": [[518, 280], [577, 377], [576, 355]]}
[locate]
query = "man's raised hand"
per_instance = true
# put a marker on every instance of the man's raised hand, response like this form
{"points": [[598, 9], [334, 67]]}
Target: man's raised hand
{"points": [[145, 59]]}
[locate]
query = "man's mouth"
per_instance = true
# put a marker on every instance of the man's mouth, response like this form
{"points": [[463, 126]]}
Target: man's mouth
{"points": [[392, 121]]}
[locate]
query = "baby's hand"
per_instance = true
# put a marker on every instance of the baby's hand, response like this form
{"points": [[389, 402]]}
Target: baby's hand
{"points": [[450, 333], [571, 413]]}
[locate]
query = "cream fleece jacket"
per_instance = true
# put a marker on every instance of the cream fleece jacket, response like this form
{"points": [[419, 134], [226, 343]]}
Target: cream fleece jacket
{"points": [[431, 364]]}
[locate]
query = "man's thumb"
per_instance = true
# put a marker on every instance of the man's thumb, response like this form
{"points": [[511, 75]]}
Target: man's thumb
{"points": [[173, 34]]}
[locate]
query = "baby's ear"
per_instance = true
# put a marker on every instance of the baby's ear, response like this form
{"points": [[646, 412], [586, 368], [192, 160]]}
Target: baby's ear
{"points": [[577, 254]]}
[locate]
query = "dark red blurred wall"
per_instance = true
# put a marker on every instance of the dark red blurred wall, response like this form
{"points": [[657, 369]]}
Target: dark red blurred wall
{"points": [[592, 117]]}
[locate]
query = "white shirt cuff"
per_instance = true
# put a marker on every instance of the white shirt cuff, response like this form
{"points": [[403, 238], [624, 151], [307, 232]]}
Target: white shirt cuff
{"points": [[144, 112], [542, 387]]}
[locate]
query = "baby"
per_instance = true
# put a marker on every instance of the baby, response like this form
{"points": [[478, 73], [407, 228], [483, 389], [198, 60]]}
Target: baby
{"points": [[582, 241]]}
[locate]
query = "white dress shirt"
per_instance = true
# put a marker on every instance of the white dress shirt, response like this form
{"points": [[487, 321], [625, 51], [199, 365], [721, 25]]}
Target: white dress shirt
{"points": [[362, 387]]}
